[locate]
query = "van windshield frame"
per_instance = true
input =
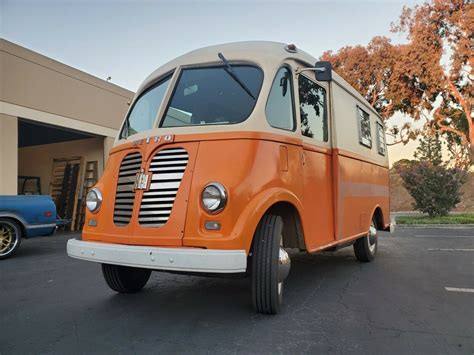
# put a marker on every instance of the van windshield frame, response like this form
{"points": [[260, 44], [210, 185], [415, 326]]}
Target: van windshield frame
{"points": [[165, 79], [177, 85]]}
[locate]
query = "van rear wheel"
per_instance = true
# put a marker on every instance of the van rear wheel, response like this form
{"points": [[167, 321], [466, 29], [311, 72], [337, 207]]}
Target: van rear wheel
{"points": [[125, 279], [365, 247], [270, 265]]}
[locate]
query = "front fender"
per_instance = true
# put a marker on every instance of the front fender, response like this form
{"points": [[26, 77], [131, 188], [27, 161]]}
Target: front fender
{"points": [[260, 204], [244, 228]]}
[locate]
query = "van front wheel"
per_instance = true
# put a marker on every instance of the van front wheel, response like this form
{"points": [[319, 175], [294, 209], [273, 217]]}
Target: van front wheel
{"points": [[270, 265], [365, 247], [125, 279]]}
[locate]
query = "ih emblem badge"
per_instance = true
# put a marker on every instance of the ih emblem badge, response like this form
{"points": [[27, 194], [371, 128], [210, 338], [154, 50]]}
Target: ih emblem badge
{"points": [[141, 181]]}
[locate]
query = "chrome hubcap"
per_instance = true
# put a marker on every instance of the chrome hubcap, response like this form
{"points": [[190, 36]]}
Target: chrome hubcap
{"points": [[8, 238], [372, 237], [284, 265]]}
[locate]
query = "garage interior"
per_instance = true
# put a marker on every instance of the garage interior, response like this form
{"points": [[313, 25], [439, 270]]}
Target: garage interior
{"points": [[60, 162], [57, 125]]}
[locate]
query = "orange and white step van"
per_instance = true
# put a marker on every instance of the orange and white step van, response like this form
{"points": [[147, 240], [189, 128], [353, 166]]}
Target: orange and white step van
{"points": [[228, 156]]}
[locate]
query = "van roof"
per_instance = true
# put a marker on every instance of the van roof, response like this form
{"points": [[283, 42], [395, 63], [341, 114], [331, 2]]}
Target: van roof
{"points": [[261, 52], [255, 51]]}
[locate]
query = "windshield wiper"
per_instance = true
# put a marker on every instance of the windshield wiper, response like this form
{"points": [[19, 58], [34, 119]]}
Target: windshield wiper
{"points": [[234, 75]]}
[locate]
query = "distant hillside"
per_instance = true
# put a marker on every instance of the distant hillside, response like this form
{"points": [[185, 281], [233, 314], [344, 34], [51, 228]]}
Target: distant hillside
{"points": [[400, 199]]}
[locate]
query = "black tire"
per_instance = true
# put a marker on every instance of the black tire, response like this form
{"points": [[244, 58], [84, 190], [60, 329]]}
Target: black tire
{"points": [[267, 291], [365, 247], [10, 237], [124, 279]]}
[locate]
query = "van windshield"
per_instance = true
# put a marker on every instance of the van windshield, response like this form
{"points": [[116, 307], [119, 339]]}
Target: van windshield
{"points": [[207, 96], [143, 113]]}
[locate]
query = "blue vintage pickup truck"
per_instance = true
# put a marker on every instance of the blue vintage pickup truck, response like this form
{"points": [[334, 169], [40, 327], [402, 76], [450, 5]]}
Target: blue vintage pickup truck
{"points": [[25, 216]]}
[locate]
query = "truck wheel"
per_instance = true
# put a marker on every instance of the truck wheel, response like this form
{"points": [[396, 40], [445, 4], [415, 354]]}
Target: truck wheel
{"points": [[365, 247], [270, 265], [10, 237], [125, 279]]}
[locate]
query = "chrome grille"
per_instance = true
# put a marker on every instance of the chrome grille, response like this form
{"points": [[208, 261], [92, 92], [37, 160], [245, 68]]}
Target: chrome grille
{"points": [[125, 195], [167, 168]]}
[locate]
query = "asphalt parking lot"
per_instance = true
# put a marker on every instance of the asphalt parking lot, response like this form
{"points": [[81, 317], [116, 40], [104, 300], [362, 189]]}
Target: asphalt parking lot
{"points": [[50, 303]]}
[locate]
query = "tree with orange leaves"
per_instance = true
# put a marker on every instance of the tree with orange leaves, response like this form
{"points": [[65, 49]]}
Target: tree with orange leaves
{"points": [[371, 70], [436, 66], [429, 77]]}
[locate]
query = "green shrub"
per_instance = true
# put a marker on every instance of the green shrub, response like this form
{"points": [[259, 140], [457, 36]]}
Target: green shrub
{"points": [[435, 188]]}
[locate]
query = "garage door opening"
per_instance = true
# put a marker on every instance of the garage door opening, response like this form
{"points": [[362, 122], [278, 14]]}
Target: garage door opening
{"points": [[60, 162]]}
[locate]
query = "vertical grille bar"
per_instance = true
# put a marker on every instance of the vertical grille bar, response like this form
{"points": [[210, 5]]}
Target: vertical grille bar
{"points": [[167, 168], [125, 195]]}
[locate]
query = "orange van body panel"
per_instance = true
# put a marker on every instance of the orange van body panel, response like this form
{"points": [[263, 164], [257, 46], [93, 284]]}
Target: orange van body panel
{"points": [[105, 229], [255, 178], [318, 197], [334, 192], [170, 234], [362, 186], [248, 164]]}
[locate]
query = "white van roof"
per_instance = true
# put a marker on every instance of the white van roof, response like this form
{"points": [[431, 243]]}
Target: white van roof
{"points": [[263, 53]]}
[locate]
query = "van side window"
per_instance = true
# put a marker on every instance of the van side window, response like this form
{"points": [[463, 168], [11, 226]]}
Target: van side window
{"points": [[313, 109], [279, 110], [381, 146], [365, 134]]}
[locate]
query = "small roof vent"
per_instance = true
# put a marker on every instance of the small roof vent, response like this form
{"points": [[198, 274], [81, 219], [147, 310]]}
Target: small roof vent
{"points": [[291, 48]]}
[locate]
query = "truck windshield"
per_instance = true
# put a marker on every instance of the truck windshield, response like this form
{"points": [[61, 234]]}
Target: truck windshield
{"points": [[206, 96]]}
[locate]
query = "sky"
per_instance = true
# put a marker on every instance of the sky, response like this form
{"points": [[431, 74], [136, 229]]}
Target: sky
{"points": [[127, 40]]}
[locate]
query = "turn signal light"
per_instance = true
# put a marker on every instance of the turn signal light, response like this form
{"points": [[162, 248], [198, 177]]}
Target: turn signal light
{"points": [[212, 225]]}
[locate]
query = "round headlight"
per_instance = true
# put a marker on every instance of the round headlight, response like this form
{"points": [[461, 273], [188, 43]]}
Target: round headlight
{"points": [[214, 197], [93, 200]]}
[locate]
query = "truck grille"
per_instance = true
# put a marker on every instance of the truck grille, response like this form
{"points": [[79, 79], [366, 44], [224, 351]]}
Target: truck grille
{"points": [[125, 195], [167, 167]]}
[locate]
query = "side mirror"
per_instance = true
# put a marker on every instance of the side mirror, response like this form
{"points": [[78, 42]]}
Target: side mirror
{"points": [[323, 71]]}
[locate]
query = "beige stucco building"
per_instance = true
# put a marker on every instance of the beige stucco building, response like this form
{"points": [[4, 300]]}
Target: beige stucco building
{"points": [[49, 111]]}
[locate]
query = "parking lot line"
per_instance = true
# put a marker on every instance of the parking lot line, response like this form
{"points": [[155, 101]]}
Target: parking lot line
{"points": [[449, 249], [456, 289], [442, 236]]}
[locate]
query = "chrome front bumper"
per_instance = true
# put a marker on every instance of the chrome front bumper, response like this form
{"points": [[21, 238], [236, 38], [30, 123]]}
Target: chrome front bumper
{"points": [[171, 259]]}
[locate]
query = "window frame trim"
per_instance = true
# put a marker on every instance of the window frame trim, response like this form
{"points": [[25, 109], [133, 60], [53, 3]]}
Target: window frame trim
{"points": [[160, 120], [326, 110], [359, 125], [295, 123], [380, 125]]}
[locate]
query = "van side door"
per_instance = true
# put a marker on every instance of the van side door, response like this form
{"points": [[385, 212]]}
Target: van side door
{"points": [[313, 111]]}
